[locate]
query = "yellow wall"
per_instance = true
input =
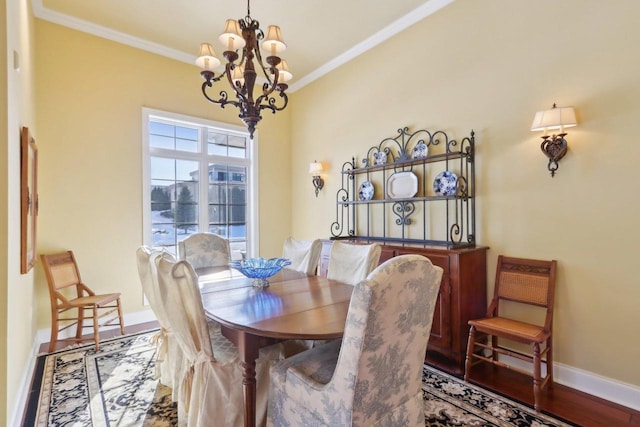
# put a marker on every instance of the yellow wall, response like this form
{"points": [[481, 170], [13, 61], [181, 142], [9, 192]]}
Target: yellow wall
{"points": [[90, 95], [486, 66], [17, 324], [489, 66], [4, 223]]}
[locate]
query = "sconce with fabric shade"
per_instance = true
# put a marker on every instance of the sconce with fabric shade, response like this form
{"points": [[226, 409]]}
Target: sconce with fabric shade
{"points": [[315, 169], [554, 146]]}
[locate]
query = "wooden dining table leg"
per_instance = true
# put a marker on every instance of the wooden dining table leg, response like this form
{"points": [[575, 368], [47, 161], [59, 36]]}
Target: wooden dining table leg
{"points": [[248, 347]]}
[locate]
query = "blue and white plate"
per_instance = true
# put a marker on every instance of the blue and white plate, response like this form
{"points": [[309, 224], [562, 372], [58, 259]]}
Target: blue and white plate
{"points": [[380, 158], [366, 191], [420, 151], [445, 184]]}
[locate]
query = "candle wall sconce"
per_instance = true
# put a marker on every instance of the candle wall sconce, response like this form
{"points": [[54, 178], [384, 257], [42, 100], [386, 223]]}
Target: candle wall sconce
{"points": [[315, 169], [554, 146]]}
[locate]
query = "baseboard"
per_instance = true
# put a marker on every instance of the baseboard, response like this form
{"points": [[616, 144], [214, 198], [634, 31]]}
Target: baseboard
{"points": [[25, 386], [42, 336], [587, 382]]}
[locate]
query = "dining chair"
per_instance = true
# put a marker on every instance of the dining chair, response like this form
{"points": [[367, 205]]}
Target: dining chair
{"points": [[168, 353], [519, 282], [69, 294], [211, 389], [373, 376], [303, 254], [351, 263], [205, 250]]}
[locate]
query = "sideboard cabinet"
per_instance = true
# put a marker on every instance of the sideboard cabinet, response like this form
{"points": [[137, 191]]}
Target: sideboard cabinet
{"points": [[462, 296]]}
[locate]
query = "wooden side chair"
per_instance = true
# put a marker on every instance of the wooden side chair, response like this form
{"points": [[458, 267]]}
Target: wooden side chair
{"points": [[68, 293], [523, 281]]}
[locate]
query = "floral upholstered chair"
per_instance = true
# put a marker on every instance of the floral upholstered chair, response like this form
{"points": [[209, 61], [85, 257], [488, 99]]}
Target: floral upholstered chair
{"points": [[373, 376], [352, 263], [168, 354], [303, 254], [210, 390], [205, 250]]}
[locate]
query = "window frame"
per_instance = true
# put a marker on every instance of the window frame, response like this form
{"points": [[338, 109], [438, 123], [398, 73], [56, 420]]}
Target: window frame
{"points": [[250, 162]]}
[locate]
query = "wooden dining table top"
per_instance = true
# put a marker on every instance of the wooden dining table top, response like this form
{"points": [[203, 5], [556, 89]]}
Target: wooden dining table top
{"points": [[293, 306]]}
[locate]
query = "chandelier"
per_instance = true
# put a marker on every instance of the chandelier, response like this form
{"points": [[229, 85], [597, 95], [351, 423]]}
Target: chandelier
{"points": [[245, 35]]}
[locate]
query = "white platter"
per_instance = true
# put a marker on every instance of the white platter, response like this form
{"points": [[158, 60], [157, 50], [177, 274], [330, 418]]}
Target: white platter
{"points": [[366, 191], [402, 185]]}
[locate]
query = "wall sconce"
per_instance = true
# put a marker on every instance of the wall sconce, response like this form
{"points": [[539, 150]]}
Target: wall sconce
{"points": [[554, 146], [315, 169]]}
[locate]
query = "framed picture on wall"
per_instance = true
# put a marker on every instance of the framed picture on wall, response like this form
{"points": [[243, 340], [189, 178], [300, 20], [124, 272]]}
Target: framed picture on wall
{"points": [[28, 200]]}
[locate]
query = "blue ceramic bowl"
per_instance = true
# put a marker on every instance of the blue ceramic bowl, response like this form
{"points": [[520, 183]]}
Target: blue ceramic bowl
{"points": [[260, 269]]}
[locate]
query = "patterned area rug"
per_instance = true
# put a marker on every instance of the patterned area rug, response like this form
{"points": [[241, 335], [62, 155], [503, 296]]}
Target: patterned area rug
{"points": [[116, 387], [113, 387]]}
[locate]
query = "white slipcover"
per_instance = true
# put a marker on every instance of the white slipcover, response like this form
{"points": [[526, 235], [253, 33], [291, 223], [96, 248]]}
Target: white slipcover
{"points": [[352, 263], [210, 391], [373, 376], [205, 250], [303, 254], [168, 354]]}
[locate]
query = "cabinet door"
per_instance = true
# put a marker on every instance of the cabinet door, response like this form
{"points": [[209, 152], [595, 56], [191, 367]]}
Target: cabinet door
{"points": [[441, 326]]}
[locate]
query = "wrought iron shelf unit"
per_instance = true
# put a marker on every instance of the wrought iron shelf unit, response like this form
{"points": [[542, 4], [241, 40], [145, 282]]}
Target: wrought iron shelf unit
{"points": [[419, 216]]}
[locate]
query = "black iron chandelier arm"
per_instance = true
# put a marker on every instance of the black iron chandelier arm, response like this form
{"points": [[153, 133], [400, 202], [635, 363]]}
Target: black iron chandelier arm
{"points": [[271, 103], [224, 100]]}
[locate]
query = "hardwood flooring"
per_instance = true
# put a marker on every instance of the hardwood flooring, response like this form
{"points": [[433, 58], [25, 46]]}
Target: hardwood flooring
{"points": [[571, 405], [561, 401]]}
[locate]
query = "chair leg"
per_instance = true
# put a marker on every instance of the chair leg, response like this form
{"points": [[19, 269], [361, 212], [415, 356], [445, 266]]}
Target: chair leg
{"points": [[80, 324], [550, 362], [536, 376], [494, 345], [96, 333], [470, 346], [54, 331], [120, 317]]}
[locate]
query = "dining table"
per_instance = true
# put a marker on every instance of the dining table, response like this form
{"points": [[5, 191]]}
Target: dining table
{"points": [[293, 306]]}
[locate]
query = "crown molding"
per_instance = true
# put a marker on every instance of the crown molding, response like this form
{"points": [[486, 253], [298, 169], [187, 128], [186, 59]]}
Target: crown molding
{"points": [[418, 14], [43, 13], [399, 25]]}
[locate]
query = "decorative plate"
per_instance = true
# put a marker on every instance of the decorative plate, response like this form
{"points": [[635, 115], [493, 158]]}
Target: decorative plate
{"points": [[445, 184], [366, 191], [420, 151], [380, 158], [402, 185]]}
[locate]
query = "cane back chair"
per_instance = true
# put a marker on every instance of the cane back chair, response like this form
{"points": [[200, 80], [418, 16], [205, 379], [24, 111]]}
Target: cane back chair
{"points": [[68, 293], [523, 281]]}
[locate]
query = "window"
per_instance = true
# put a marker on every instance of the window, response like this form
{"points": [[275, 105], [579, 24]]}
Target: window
{"points": [[180, 153]]}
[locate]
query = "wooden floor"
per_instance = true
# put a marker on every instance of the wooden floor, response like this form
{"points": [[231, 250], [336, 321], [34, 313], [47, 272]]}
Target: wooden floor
{"points": [[560, 401], [563, 402]]}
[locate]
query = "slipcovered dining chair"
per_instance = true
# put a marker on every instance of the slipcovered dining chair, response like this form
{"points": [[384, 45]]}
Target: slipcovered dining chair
{"points": [[350, 263], [373, 376], [519, 282], [210, 390], [205, 250], [168, 353], [68, 293], [303, 254]]}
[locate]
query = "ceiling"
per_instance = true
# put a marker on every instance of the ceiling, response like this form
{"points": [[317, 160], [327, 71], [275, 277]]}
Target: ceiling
{"points": [[320, 34]]}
